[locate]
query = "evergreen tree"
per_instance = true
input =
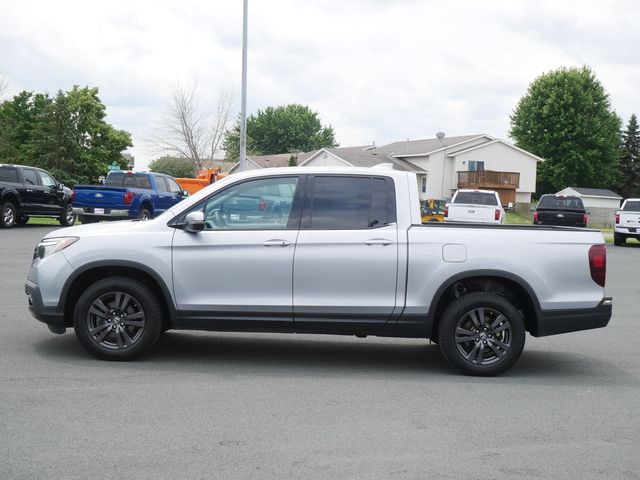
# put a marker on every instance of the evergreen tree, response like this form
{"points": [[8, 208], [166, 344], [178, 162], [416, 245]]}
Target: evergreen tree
{"points": [[629, 184]]}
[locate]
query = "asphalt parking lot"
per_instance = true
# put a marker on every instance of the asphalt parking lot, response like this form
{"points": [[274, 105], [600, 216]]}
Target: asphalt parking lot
{"points": [[209, 405]]}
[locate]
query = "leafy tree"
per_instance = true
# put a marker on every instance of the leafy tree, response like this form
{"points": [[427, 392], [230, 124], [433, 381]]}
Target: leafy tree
{"points": [[174, 166], [283, 129], [566, 118], [629, 184], [66, 134]]}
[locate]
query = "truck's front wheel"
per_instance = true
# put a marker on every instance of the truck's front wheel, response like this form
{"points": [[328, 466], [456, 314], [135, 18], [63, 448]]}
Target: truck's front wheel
{"points": [[481, 334], [118, 318]]}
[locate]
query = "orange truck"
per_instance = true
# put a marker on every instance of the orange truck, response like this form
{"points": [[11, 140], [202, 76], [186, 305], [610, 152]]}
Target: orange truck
{"points": [[205, 177]]}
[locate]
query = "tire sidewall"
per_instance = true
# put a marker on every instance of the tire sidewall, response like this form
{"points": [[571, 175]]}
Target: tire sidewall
{"points": [[448, 323], [13, 208], [148, 303], [63, 219], [141, 215]]}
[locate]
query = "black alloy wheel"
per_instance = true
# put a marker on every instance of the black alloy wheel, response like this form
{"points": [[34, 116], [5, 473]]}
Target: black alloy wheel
{"points": [[118, 318], [481, 334]]}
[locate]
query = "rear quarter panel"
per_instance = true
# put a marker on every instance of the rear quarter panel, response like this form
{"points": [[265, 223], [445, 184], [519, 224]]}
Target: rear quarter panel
{"points": [[553, 262]]}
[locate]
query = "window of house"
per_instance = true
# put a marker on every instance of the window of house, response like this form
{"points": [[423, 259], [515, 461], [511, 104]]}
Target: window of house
{"points": [[476, 166], [423, 185]]}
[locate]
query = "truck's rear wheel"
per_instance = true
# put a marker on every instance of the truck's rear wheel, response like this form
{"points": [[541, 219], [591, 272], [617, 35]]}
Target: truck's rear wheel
{"points": [[481, 334], [117, 318], [145, 214], [67, 219], [619, 239]]}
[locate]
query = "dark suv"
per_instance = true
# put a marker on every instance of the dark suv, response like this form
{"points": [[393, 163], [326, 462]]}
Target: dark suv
{"points": [[32, 192], [565, 210]]}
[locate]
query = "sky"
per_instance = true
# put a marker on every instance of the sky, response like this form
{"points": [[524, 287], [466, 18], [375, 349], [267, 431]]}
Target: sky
{"points": [[376, 71]]}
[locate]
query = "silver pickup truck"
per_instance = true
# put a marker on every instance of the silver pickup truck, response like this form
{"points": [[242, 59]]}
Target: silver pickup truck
{"points": [[319, 250]]}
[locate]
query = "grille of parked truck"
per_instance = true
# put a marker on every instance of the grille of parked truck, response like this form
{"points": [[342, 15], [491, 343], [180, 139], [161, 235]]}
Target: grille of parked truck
{"points": [[319, 250]]}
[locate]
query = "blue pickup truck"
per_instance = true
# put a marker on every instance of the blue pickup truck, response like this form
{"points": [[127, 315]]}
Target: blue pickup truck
{"points": [[126, 195]]}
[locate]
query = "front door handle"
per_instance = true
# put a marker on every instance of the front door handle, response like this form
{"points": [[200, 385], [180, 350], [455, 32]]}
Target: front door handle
{"points": [[276, 243], [378, 241]]}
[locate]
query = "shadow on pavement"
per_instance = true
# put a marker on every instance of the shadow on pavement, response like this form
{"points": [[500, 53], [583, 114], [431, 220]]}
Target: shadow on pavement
{"points": [[307, 356]]}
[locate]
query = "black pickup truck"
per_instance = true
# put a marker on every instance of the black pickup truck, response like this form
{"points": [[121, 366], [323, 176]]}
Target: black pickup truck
{"points": [[564, 210], [32, 192]]}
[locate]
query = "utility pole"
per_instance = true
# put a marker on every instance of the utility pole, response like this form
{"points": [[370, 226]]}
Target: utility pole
{"points": [[243, 108]]}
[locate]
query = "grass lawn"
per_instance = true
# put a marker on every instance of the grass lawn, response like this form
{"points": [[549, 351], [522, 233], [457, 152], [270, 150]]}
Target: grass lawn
{"points": [[514, 218], [43, 221]]}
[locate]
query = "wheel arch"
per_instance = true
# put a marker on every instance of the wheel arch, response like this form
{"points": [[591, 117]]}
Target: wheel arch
{"points": [[88, 274], [513, 287], [13, 197]]}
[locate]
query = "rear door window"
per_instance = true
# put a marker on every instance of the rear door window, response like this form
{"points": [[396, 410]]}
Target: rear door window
{"points": [[9, 174], [351, 203], [162, 184], [30, 177]]}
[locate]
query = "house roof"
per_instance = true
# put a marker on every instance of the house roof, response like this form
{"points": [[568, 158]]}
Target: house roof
{"points": [[424, 146], [364, 156], [492, 142], [595, 192]]}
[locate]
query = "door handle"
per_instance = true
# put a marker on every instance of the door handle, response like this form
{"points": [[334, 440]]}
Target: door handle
{"points": [[29, 190], [378, 241], [276, 243]]}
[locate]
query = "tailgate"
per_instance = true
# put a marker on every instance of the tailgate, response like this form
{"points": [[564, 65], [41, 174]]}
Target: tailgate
{"points": [[461, 212], [556, 217], [630, 219], [98, 196]]}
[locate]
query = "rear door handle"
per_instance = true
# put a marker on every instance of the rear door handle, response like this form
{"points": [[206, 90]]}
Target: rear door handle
{"points": [[29, 190], [378, 241], [276, 243]]}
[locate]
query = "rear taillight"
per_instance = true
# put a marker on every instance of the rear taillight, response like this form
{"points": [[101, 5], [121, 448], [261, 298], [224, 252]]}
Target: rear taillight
{"points": [[496, 215], [535, 217], [72, 197], [598, 264], [585, 218], [446, 211], [128, 198], [617, 219]]}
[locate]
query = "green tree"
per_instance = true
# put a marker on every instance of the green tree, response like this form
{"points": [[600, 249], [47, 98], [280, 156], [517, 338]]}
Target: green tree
{"points": [[566, 118], [283, 129], [629, 184], [174, 166], [66, 134]]}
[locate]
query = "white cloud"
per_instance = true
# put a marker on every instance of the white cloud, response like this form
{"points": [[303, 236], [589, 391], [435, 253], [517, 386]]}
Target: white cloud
{"points": [[375, 70]]}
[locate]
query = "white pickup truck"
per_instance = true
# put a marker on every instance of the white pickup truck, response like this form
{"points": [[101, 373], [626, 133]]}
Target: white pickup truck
{"points": [[627, 221], [319, 250], [475, 206]]}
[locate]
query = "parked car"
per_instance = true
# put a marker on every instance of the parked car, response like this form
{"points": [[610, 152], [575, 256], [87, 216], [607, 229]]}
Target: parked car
{"points": [[627, 221], [564, 210], [27, 192], [364, 264], [127, 195], [475, 206]]}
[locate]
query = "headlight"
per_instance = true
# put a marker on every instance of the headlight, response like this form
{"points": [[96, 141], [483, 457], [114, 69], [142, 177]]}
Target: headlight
{"points": [[53, 245]]}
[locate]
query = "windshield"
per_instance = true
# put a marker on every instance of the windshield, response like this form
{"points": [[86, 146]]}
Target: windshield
{"points": [[631, 206], [476, 198], [551, 201]]}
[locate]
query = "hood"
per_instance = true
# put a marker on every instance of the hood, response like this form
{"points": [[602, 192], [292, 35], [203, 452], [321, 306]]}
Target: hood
{"points": [[100, 228]]}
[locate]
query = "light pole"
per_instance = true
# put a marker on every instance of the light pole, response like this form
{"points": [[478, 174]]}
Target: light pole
{"points": [[243, 107]]}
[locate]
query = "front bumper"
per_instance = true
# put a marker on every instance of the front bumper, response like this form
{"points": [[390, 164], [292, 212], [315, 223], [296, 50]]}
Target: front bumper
{"points": [[554, 322], [52, 316]]}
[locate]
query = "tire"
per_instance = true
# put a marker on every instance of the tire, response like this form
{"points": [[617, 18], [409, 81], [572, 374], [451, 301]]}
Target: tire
{"points": [[22, 220], [68, 218], [96, 313], [481, 334], [8, 215], [619, 239], [145, 214], [84, 219]]}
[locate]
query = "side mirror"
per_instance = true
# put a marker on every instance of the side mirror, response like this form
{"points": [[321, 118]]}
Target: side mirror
{"points": [[194, 222], [185, 193], [587, 211]]}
